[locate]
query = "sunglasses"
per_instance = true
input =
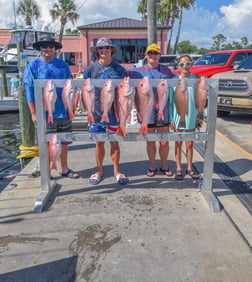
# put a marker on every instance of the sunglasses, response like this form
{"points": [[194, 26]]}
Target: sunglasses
{"points": [[153, 53], [45, 46], [185, 64], [104, 47]]}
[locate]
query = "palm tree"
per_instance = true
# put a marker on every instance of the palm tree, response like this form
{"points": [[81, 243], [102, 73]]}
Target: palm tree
{"points": [[167, 11], [142, 9], [28, 9], [181, 4], [64, 10]]}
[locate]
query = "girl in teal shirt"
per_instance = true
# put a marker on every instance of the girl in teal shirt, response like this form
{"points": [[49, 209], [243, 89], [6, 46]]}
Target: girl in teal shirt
{"points": [[184, 64]]}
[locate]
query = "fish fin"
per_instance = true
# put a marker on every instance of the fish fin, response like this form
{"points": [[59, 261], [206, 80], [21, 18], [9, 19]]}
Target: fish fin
{"points": [[90, 118]]}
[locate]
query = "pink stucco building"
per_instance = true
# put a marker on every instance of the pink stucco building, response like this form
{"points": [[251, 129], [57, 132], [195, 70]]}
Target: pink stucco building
{"points": [[129, 35]]}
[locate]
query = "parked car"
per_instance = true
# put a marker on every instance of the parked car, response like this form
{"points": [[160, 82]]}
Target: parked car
{"points": [[220, 61], [235, 89], [168, 60]]}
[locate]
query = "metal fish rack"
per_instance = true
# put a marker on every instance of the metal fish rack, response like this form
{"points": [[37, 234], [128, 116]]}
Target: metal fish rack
{"points": [[207, 136]]}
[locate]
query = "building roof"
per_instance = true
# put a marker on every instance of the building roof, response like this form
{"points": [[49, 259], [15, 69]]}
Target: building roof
{"points": [[120, 23]]}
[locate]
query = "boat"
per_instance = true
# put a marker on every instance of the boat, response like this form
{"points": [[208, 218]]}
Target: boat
{"points": [[8, 104], [27, 36]]}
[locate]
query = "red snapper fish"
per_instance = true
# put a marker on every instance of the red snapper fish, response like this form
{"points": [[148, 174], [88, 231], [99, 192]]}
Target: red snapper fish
{"points": [[200, 95], [49, 99], [163, 95], [54, 151], [107, 98], [144, 99], [124, 100], [88, 97], [68, 97], [181, 101]]}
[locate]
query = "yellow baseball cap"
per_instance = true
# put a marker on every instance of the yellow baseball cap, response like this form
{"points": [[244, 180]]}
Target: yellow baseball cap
{"points": [[153, 47]]}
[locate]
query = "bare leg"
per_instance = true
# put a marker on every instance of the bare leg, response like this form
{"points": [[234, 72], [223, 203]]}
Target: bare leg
{"points": [[189, 154], [63, 158], [115, 156], [189, 151], [65, 171], [178, 149], [151, 150], [163, 148], [99, 155]]}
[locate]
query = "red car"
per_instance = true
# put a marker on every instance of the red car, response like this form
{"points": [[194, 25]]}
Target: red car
{"points": [[220, 61]]}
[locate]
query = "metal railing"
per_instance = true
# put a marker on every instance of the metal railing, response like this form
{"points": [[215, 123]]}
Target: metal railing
{"points": [[207, 136]]}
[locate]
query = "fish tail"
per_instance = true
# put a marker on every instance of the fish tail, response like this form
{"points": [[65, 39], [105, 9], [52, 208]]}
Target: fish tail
{"points": [[121, 130], [71, 115], [182, 123], [104, 117], [160, 115], [90, 118], [143, 129], [50, 119], [53, 166]]}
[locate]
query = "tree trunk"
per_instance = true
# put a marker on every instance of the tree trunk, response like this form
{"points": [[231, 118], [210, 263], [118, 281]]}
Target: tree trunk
{"points": [[152, 21], [178, 33], [171, 23]]}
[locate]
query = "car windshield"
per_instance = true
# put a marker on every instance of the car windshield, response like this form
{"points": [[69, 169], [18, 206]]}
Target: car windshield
{"points": [[246, 65], [219, 59]]}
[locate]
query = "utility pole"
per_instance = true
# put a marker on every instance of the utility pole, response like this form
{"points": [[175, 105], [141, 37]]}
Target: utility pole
{"points": [[152, 21]]}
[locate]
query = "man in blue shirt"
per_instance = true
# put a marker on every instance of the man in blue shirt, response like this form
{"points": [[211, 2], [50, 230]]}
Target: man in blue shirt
{"points": [[48, 66]]}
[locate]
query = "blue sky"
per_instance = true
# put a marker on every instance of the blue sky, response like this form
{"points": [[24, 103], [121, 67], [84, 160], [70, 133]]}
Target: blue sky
{"points": [[232, 18], [213, 5]]}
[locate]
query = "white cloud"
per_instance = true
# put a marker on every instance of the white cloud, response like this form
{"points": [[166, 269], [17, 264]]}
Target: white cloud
{"points": [[90, 11], [233, 21], [237, 19]]}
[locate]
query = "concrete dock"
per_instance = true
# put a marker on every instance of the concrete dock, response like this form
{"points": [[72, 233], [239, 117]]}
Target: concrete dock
{"points": [[153, 229]]}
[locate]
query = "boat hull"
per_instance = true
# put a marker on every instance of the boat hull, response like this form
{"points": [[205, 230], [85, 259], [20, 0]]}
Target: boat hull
{"points": [[8, 105]]}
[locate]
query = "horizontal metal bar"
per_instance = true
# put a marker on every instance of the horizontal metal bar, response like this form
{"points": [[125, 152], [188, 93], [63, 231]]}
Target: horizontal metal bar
{"points": [[134, 82], [132, 136]]}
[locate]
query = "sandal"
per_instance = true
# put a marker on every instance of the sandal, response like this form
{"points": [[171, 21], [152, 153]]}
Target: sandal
{"points": [[70, 174], [94, 179], [193, 174], [151, 172], [121, 179], [179, 175], [166, 171]]}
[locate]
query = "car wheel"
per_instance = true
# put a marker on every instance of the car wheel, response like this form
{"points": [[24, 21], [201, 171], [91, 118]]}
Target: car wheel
{"points": [[222, 113]]}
